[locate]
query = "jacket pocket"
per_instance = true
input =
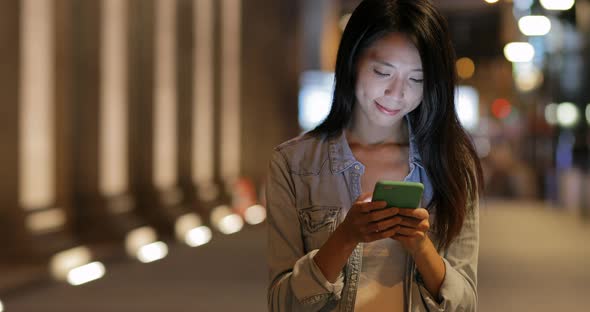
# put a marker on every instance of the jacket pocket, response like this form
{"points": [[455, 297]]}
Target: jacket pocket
{"points": [[317, 223]]}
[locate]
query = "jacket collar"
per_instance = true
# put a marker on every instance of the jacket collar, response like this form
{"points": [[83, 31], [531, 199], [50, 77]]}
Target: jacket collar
{"points": [[341, 157]]}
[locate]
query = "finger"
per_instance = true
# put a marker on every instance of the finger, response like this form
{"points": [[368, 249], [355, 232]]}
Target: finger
{"points": [[385, 224], [406, 231], [368, 207], [382, 234], [410, 222], [364, 197], [377, 215], [418, 213]]}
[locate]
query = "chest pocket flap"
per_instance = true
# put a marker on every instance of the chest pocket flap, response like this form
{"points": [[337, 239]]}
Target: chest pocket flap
{"points": [[318, 218]]}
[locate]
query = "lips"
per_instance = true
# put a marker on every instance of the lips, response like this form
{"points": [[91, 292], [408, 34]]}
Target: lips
{"points": [[387, 111]]}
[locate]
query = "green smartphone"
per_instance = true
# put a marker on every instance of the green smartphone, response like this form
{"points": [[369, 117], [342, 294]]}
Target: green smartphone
{"points": [[398, 193]]}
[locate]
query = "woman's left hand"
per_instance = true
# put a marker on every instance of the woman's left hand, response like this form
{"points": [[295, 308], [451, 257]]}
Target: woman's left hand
{"points": [[413, 229]]}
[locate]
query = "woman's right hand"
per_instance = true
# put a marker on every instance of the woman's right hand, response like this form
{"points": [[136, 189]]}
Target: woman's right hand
{"points": [[368, 221]]}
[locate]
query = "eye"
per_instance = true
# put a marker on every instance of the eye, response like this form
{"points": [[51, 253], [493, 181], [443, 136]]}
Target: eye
{"points": [[380, 73], [414, 80]]}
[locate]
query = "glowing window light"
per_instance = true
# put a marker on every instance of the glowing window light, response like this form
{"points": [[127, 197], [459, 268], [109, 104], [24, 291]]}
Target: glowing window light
{"points": [[165, 148], [203, 143], [491, 1], [152, 252], [36, 108], [519, 52], [588, 113], [567, 114], [198, 236], [63, 262], [465, 68], [551, 114], [558, 5], [534, 25], [1, 306], [255, 214], [226, 221], [467, 106], [315, 98], [316, 109], [86, 273], [113, 179], [230, 100]]}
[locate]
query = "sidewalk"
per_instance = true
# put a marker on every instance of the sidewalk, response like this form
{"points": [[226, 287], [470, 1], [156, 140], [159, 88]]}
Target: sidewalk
{"points": [[532, 258]]}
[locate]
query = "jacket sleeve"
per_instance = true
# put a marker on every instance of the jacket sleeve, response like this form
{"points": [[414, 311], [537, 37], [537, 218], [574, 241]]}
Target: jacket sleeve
{"points": [[458, 291], [296, 282]]}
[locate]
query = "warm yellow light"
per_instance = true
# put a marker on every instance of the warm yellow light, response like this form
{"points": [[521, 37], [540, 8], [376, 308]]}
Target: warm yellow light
{"points": [[465, 68], [491, 1], [63, 262], [255, 214], [86, 273], [231, 224], [152, 252], [1, 306], [225, 220], [198, 236], [527, 76], [534, 25], [567, 114], [138, 238], [344, 20], [185, 223], [558, 5], [519, 52]]}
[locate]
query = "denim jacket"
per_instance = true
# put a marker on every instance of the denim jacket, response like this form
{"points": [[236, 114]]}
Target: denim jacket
{"points": [[312, 183]]}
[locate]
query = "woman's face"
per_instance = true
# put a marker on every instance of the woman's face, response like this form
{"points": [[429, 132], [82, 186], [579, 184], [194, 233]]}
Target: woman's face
{"points": [[389, 81]]}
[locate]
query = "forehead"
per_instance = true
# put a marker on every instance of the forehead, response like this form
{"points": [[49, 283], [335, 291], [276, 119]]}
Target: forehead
{"points": [[395, 48]]}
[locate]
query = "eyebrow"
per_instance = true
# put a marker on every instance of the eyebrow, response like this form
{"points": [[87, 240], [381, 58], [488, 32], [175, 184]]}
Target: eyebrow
{"points": [[393, 66]]}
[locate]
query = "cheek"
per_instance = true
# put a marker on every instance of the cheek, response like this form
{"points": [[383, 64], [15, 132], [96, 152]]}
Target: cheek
{"points": [[368, 89], [416, 97], [362, 88]]}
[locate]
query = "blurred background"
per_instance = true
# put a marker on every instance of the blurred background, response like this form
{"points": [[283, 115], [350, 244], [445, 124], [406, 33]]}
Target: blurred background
{"points": [[135, 137]]}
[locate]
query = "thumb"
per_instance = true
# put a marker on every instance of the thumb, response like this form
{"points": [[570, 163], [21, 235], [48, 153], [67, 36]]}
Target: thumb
{"points": [[365, 197]]}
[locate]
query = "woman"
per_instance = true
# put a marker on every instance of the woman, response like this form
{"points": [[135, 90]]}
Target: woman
{"points": [[393, 118]]}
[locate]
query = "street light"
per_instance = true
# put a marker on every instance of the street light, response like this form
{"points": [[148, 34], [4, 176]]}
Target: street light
{"points": [[567, 114], [534, 25], [517, 52], [558, 5]]}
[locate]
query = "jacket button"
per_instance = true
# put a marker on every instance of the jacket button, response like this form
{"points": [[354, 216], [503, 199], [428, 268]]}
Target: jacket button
{"points": [[357, 167]]}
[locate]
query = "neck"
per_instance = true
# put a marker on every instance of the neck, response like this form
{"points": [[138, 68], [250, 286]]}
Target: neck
{"points": [[359, 133]]}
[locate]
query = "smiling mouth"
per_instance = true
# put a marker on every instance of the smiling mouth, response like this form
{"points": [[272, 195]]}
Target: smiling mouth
{"points": [[387, 111]]}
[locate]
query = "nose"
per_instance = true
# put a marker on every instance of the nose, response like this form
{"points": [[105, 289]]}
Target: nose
{"points": [[395, 88]]}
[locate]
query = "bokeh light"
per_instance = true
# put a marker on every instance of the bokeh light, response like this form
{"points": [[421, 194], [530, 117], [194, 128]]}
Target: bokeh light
{"points": [[551, 114], [465, 68], [534, 25], [567, 114], [558, 5], [501, 108], [519, 52]]}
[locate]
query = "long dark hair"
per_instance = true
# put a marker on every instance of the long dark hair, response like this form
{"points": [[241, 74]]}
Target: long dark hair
{"points": [[447, 153]]}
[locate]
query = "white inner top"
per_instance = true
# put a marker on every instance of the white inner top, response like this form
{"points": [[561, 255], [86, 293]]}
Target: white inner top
{"points": [[381, 284]]}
